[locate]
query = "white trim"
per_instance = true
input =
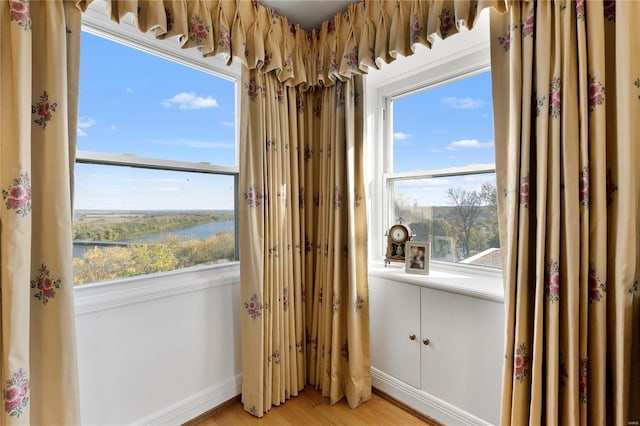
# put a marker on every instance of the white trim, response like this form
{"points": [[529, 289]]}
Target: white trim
{"points": [[195, 405], [468, 280], [133, 160], [470, 169], [465, 63], [114, 294], [423, 402]]}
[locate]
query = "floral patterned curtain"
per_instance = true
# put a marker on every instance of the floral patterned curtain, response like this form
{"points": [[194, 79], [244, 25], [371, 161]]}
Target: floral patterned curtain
{"points": [[302, 243], [367, 33], [303, 219], [39, 59], [566, 106]]}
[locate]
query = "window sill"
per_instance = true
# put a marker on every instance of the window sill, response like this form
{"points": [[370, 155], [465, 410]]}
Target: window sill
{"points": [[476, 282], [113, 294]]}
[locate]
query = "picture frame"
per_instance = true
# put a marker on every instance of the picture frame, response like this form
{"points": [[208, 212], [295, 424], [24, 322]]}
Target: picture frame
{"points": [[418, 254]]}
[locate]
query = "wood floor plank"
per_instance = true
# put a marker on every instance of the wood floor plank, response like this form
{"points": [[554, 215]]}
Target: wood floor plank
{"points": [[312, 409]]}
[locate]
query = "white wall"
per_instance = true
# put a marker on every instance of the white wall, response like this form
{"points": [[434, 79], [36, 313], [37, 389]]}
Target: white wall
{"points": [[158, 350]]}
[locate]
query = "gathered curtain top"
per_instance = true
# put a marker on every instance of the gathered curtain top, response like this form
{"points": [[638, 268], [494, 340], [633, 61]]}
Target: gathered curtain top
{"points": [[368, 33]]}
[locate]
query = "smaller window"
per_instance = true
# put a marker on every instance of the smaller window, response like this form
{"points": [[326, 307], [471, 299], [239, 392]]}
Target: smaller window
{"points": [[441, 177]]}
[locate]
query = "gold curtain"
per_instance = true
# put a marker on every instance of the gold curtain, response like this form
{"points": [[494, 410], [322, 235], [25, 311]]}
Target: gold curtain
{"points": [[39, 57], [566, 106], [302, 243], [335, 240], [302, 211], [366, 34]]}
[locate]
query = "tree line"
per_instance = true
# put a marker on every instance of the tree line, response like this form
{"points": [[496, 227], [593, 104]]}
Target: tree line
{"points": [[111, 263], [126, 228], [470, 222]]}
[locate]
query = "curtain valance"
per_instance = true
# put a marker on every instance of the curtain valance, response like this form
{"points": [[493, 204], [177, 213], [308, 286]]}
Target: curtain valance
{"points": [[367, 34]]}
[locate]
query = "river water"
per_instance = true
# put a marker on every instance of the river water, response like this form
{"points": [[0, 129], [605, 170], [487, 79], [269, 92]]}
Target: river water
{"points": [[200, 232]]}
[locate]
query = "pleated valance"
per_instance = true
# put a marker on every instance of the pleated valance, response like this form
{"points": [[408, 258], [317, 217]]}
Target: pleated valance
{"points": [[369, 33]]}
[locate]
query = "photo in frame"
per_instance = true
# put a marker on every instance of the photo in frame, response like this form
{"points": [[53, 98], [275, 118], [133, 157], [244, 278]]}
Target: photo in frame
{"points": [[417, 257]]}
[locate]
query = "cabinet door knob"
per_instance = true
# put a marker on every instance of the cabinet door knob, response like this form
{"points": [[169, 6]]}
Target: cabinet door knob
{"points": [[426, 342], [412, 337]]}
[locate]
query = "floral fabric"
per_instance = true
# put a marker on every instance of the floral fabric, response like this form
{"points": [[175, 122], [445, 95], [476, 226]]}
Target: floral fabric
{"points": [[293, 253], [38, 100], [349, 44], [568, 163]]}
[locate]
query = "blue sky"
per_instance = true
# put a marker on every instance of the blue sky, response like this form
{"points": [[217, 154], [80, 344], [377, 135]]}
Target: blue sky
{"points": [[134, 102], [137, 103], [447, 126]]}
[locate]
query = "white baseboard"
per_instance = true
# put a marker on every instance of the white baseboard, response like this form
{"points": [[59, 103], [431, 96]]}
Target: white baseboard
{"points": [[195, 405], [423, 402]]}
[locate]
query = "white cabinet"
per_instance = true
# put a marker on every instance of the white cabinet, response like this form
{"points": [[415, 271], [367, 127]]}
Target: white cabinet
{"points": [[463, 362], [456, 376], [396, 321]]}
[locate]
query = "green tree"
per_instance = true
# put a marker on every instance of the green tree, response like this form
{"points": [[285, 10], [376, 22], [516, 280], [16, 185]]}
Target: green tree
{"points": [[111, 263], [469, 206]]}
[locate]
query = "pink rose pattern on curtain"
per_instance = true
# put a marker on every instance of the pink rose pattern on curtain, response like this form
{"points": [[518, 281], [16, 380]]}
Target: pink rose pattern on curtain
{"points": [[303, 268], [347, 45], [567, 166], [39, 111], [270, 246], [335, 235], [303, 275]]}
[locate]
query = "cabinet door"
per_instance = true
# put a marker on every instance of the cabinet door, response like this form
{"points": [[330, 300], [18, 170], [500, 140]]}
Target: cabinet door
{"points": [[394, 318], [462, 364]]}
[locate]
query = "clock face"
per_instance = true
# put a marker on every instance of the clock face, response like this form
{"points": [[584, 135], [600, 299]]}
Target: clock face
{"points": [[398, 233]]}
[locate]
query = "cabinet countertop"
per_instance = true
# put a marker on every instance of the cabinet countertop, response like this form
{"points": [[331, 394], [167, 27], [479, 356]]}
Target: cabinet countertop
{"points": [[473, 283]]}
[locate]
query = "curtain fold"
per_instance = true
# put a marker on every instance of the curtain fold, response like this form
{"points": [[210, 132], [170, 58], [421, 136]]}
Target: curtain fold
{"points": [[367, 34], [302, 243], [39, 58], [566, 92], [335, 229]]}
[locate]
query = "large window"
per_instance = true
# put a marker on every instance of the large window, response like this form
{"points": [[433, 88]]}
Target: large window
{"points": [[440, 173], [156, 172]]}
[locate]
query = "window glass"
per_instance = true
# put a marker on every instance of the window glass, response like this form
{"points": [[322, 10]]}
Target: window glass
{"points": [[445, 126], [150, 212], [443, 145], [132, 102], [130, 221], [456, 214]]}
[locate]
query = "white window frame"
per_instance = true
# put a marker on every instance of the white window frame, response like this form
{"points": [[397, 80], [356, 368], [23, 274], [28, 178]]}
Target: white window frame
{"points": [[96, 21], [463, 55]]}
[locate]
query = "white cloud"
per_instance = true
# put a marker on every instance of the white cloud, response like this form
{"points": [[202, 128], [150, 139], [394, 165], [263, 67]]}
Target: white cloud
{"points": [[191, 143], [227, 123], [462, 103], [469, 143], [186, 100], [149, 181], [479, 178], [208, 145], [113, 127], [399, 136], [84, 123], [164, 189], [436, 150], [128, 90]]}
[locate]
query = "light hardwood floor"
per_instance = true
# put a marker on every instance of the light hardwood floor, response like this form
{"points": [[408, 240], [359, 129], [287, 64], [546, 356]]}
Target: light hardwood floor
{"points": [[310, 408]]}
